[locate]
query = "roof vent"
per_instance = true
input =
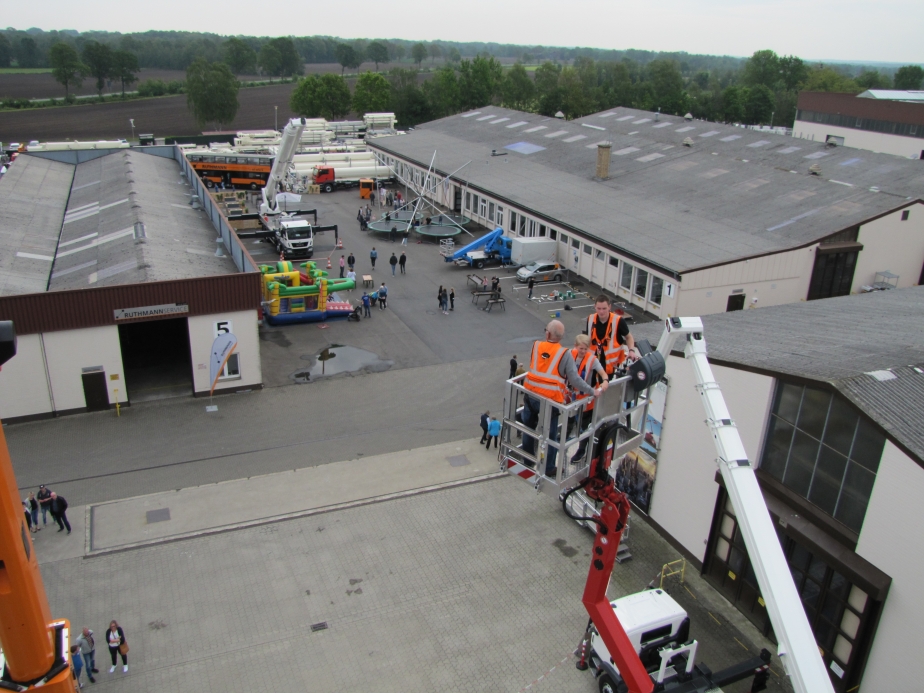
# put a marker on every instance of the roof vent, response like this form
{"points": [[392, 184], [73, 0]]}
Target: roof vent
{"points": [[140, 232], [687, 141], [815, 170], [882, 376], [688, 116]]}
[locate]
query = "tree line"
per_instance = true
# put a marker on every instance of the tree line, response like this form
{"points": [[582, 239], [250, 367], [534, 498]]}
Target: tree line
{"points": [[763, 91]]}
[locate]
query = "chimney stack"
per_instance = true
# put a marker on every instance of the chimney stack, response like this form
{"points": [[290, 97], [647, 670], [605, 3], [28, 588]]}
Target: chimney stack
{"points": [[603, 160]]}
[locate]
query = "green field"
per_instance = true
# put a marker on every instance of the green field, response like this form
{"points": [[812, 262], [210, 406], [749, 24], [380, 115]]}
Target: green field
{"points": [[23, 70]]}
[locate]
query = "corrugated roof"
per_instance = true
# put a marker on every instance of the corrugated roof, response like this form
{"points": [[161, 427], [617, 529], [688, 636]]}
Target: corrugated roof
{"points": [[109, 196], [839, 342], [33, 195], [735, 193]]}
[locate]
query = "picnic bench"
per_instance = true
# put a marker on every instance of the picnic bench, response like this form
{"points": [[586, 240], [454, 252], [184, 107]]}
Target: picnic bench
{"points": [[367, 280], [476, 280], [491, 302], [478, 294]]}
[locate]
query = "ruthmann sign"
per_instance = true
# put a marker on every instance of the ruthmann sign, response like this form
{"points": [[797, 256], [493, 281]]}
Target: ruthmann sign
{"points": [[151, 311]]}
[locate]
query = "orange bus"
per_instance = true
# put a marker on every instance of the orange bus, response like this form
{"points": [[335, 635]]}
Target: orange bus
{"points": [[232, 169]]}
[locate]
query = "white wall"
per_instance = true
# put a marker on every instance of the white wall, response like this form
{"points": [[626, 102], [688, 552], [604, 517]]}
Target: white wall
{"points": [[894, 245], [891, 540], [23, 386], [70, 351], [685, 490], [201, 335], [772, 279], [861, 139]]}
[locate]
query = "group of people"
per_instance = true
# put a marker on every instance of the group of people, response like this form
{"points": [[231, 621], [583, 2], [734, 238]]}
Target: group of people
{"points": [[446, 299], [50, 503], [83, 652], [563, 375]]}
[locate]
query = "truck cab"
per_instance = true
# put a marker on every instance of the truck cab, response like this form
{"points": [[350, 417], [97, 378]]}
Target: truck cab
{"points": [[294, 239]]}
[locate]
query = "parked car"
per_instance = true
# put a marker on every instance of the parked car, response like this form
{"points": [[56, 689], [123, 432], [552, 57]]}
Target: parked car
{"points": [[541, 272]]}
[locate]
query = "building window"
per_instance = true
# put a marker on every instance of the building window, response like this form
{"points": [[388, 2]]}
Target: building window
{"points": [[575, 243], [587, 249], [641, 283], [821, 448], [232, 369], [553, 234], [614, 262], [483, 208], [542, 231], [625, 279], [564, 239], [521, 226], [656, 290], [905, 214], [491, 211], [468, 201], [499, 219], [598, 255]]}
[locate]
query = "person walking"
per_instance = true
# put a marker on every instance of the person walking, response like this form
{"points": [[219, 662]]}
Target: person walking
{"points": [[372, 198], [484, 426], [404, 234], [351, 275], [452, 298], [383, 296], [115, 636], [342, 265], [513, 366], [444, 302], [59, 512], [372, 256], [367, 304], [351, 261], [44, 499], [87, 644], [402, 262], [393, 261], [494, 429], [439, 297], [33, 511], [531, 284], [393, 234]]}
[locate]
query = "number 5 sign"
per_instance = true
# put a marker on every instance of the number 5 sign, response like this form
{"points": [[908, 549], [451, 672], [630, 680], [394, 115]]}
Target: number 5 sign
{"points": [[223, 327]]}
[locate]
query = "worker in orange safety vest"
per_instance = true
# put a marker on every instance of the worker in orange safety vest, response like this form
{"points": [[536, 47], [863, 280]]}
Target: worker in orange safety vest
{"points": [[592, 372], [609, 335], [551, 372]]}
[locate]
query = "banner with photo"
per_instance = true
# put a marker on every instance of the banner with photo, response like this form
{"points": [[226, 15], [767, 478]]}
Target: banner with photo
{"points": [[636, 473]]}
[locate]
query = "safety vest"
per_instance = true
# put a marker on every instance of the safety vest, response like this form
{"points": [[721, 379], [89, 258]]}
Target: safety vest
{"points": [[542, 378], [613, 352], [585, 370]]}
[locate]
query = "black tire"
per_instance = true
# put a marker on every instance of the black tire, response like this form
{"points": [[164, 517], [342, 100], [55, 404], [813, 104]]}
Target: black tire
{"points": [[558, 277], [254, 186], [209, 184], [479, 264], [328, 188], [605, 684]]}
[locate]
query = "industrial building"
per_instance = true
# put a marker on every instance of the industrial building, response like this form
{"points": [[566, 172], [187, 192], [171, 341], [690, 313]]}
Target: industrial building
{"points": [[117, 283], [680, 216], [878, 120], [827, 396]]}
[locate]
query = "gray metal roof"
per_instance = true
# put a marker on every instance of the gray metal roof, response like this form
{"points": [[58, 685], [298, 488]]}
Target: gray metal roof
{"points": [[838, 341], [33, 194], [735, 193], [109, 195]]}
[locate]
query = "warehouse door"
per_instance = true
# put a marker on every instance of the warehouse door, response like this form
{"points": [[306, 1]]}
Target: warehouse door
{"points": [[156, 357], [833, 274], [95, 392]]}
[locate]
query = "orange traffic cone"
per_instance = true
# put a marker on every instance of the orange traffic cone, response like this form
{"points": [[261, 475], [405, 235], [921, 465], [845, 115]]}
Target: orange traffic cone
{"points": [[328, 262], [339, 244]]}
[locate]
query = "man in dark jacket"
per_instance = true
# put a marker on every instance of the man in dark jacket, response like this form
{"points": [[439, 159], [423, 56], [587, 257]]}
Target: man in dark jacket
{"points": [[484, 425], [59, 512]]}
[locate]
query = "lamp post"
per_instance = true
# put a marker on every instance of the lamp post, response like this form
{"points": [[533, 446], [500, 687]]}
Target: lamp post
{"points": [[276, 117], [132, 121]]}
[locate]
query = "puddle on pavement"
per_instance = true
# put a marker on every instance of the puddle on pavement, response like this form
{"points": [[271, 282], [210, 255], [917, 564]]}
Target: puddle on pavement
{"points": [[338, 359]]}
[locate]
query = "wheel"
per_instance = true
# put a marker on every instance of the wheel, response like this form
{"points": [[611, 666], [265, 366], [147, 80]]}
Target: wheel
{"points": [[254, 186], [558, 277], [209, 184], [328, 188], [605, 684], [479, 264]]}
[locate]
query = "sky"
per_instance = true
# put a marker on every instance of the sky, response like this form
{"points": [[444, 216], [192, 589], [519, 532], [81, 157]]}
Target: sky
{"points": [[847, 30]]}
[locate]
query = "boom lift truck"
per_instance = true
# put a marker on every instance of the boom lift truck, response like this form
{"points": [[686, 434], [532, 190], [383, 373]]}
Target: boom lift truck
{"points": [[35, 646], [625, 651], [292, 235]]}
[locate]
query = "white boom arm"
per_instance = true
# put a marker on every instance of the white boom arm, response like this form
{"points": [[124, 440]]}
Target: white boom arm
{"points": [[797, 648], [291, 136]]}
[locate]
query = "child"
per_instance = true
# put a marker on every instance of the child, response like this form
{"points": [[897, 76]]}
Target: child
{"points": [[77, 662]]}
